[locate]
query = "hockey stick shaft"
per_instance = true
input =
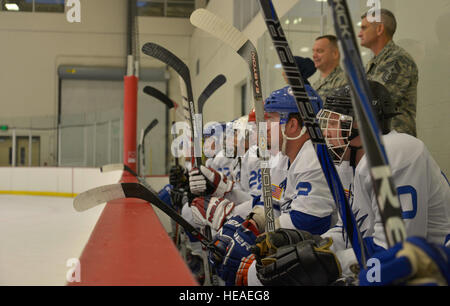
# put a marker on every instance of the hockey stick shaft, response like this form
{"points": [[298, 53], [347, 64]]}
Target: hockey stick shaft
{"points": [[385, 192], [215, 26], [307, 114]]}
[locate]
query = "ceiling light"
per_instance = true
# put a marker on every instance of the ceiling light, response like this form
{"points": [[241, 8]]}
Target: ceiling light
{"points": [[287, 21], [304, 49], [277, 66]]}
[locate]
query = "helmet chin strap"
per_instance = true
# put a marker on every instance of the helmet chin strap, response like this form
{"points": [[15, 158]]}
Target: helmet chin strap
{"points": [[286, 138], [353, 150]]}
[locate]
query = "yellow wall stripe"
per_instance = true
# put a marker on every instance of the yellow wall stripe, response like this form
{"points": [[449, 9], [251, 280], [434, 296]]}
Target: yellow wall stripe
{"points": [[40, 193]]}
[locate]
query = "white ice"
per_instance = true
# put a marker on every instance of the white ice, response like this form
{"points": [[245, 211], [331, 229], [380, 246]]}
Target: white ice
{"points": [[38, 235]]}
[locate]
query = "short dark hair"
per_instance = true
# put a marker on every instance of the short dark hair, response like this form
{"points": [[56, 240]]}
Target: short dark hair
{"points": [[331, 38], [387, 19], [297, 117]]}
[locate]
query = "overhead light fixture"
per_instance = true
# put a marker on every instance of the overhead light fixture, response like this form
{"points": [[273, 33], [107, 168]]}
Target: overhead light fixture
{"points": [[359, 24], [304, 49], [11, 6], [287, 21], [295, 21], [299, 19], [321, 0], [277, 66]]}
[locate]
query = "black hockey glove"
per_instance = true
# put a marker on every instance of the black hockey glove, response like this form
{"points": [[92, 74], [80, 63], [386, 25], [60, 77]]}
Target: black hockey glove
{"points": [[268, 243], [178, 177], [176, 195], [306, 263]]}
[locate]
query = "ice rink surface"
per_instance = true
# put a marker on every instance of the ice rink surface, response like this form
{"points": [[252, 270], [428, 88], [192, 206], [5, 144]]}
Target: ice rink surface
{"points": [[38, 236]]}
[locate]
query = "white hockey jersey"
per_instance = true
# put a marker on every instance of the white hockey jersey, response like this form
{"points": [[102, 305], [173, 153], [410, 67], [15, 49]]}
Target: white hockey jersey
{"points": [[223, 164], [423, 191], [307, 196]]}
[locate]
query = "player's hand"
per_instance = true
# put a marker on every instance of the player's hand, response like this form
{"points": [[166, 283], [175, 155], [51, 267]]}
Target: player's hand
{"points": [[413, 262], [207, 181], [267, 244], [178, 177], [211, 211], [233, 241], [307, 263]]}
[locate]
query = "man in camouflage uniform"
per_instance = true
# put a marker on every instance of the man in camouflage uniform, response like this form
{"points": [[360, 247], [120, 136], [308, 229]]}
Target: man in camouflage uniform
{"points": [[393, 67], [326, 59]]}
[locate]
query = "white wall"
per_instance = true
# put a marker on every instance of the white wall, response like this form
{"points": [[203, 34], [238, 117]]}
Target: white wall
{"points": [[54, 181], [35, 44]]}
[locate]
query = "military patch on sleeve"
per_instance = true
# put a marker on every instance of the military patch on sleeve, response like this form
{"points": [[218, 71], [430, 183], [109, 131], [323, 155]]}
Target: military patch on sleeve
{"points": [[390, 72]]}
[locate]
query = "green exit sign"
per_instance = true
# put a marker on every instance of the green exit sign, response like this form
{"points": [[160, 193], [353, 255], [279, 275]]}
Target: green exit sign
{"points": [[3, 127]]}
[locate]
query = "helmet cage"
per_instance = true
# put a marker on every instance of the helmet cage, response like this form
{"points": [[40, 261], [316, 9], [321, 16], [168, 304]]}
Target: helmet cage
{"points": [[337, 129]]}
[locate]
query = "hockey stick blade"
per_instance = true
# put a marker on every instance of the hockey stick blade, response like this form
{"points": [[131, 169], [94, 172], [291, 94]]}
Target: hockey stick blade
{"points": [[149, 128], [385, 192], [215, 84], [225, 32], [307, 114], [151, 91]]}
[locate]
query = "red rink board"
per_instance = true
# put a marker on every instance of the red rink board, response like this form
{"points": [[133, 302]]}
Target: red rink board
{"points": [[129, 246]]}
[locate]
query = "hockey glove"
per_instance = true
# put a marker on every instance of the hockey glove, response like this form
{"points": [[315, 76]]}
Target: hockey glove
{"points": [[234, 242], [177, 196], [211, 211], [178, 177], [413, 262], [307, 263], [165, 195], [268, 243], [207, 181]]}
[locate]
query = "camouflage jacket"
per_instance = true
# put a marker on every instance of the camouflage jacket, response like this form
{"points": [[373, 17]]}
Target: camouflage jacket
{"points": [[396, 70], [324, 86]]}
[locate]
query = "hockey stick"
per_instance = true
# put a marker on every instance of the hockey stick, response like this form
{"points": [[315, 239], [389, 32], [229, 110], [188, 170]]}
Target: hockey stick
{"points": [[306, 111], [386, 194], [123, 167], [103, 194], [215, 84], [181, 68], [167, 57], [212, 279], [151, 91], [141, 148], [215, 26]]}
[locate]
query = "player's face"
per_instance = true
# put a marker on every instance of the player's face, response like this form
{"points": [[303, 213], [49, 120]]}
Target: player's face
{"points": [[323, 53], [332, 130], [336, 130], [368, 33]]}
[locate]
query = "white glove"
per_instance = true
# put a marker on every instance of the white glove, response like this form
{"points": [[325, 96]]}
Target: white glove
{"points": [[211, 211], [208, 181]]}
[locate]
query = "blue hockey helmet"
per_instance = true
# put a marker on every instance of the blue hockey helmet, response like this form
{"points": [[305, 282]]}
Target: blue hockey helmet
{"points": [[282, 101], [214, 129]]}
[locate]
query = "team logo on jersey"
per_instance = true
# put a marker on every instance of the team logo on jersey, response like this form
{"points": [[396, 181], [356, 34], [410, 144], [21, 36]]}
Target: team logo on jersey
{"points": [[277, 191]]}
